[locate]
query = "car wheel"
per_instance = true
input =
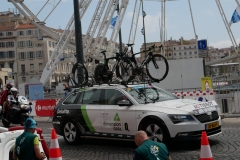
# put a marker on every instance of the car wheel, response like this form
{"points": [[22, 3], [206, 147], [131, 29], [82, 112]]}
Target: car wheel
{"points": [[70, 133], [156, 131]]}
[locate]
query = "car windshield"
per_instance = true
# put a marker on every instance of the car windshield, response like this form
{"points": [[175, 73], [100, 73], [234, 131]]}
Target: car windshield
{"points": [[149, 94]]}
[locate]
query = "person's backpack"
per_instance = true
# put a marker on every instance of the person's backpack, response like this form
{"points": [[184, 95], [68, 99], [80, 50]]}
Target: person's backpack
{"points": [[3, 97]]}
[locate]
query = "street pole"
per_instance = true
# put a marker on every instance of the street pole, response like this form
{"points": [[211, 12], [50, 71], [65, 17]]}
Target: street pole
{"points": [[144, 14], [78, 38], [120, 34]]}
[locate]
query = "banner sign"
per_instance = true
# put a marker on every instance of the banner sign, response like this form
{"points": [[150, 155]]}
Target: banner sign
{"points": [[35, 91]]}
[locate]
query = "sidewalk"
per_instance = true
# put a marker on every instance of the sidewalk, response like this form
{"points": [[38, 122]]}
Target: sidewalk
{"points": [[43, 119]]}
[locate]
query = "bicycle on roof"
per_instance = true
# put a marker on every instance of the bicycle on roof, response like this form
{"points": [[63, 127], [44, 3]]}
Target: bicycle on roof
{"points": [[154, 66], [103, 73]]}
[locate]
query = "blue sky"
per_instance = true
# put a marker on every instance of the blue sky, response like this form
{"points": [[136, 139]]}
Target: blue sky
{"points": [[208, 21]]}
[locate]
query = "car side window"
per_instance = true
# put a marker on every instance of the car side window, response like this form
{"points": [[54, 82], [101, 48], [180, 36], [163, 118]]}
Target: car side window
{"points": [[71, 99], [90, 97], [112, 97]]}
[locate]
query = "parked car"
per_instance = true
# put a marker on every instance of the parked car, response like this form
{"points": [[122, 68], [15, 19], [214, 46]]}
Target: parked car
{"points": [[118, 112]]}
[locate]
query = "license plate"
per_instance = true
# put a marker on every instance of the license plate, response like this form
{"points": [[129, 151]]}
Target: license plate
{"points": [[212, 125]]}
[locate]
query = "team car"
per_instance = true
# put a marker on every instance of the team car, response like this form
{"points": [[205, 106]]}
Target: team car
{"points": [[119, 111]]}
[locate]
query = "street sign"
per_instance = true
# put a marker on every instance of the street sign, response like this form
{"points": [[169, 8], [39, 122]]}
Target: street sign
{"points": [[202, 53], [202, 44]]}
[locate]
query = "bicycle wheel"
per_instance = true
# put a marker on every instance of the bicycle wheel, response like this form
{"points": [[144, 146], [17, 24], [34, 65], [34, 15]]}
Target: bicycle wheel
{"points": [[124, 70], [83, 75], [160, 73]]}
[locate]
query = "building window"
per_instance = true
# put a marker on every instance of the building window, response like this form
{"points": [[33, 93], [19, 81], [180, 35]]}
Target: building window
{"points": [[180, 53], [21, 33], [179, 48], [190, 53], [3, 20], [39, 45], [185, 53], [31, 55], [195, 52], [53, 44], [189, 47], [11, 54], [40, 66], [23, 79], [170, 54], [49, 43], [29, 43], [31, 68], [22, 55], [2, 55], [50, 53], [9, 44], [2, 45], [21, 44], [1, 34], [1, 65], [29, 32], [9, 33], [11, 66], [22, 67], [175, 54], [39, 54]]}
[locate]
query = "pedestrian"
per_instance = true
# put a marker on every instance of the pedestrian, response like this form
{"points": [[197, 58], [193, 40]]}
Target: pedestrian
{"points": [[27, 144], [148, 149], [67, 88], [4, 95]]}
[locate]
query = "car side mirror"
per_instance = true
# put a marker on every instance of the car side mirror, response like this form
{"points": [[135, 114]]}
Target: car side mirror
{"points": [[30, 103], [124, 103]]}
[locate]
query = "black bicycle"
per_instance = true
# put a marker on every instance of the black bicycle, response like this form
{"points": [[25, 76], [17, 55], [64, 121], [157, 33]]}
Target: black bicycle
{"points": [[154, 66], [103, 73]]}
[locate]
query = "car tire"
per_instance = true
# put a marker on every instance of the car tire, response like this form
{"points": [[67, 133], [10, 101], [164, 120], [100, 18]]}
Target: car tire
{"points": [[156, 131], [71, 133]]}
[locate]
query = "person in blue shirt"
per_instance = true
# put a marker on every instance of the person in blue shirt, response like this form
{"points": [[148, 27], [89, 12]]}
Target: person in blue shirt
{"points": [[148, 149], [27, 144]]}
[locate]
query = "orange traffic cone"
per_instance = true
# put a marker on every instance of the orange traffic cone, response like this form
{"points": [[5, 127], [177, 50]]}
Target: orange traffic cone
{"points": [[54, 151], [205, 153]]}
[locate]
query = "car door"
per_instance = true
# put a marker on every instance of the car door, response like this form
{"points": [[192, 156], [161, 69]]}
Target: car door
{"points": [[90, 106], [117, 119]]}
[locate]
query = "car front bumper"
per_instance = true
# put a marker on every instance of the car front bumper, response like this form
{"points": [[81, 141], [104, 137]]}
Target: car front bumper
{"points": [[192, 130]]}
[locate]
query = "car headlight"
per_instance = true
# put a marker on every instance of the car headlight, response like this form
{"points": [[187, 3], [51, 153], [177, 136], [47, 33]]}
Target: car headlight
{"points": [[178, 118]]}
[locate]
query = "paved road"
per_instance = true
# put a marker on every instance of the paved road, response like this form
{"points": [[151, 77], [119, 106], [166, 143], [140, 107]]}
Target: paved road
{"points": [[224, 147]]}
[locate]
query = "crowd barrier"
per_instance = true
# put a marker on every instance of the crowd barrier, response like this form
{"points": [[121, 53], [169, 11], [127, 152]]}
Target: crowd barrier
{"points": [[43, 107], [202, 96]]}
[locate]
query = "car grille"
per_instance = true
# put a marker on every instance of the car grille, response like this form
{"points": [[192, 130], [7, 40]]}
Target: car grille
{"points": [[207, 118]]}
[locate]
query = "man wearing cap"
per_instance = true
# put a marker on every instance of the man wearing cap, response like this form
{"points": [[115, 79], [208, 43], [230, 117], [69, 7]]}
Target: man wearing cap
{"points": [[148, 149], [27, 144]]}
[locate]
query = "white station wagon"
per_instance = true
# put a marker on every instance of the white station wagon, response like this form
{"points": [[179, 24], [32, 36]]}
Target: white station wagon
{"points": [[119, 111]]}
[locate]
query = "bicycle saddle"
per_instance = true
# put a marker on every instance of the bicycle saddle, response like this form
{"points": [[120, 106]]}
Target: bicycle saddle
{"points": [[129, 45]]}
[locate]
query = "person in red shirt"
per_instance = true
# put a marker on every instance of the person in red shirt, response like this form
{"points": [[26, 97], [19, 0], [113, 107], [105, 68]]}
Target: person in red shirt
{"points": [[3, 96]]}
